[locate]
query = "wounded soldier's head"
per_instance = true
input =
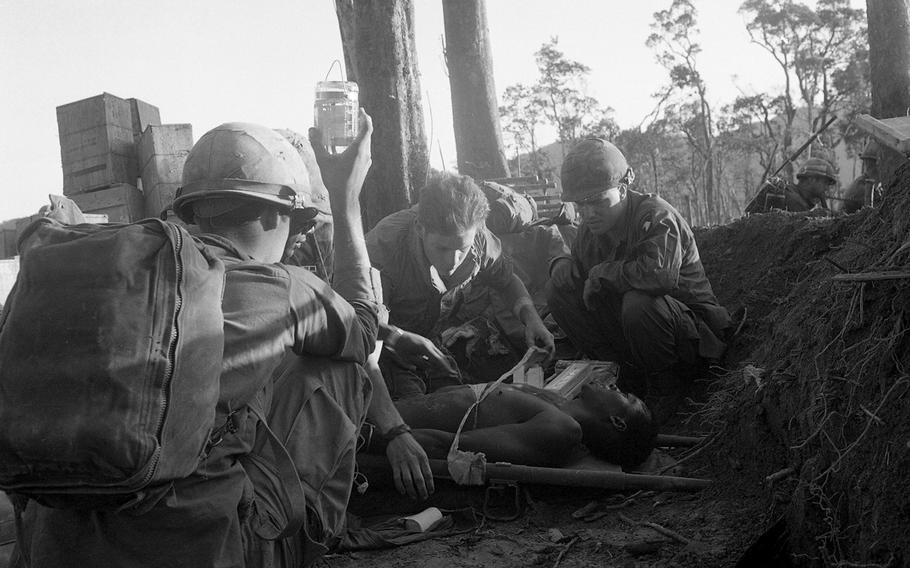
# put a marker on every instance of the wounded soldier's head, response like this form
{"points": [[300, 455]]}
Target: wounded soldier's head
{"points": [[616, 426]]}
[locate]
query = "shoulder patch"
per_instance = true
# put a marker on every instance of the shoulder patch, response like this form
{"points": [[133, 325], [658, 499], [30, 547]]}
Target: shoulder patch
{"points": [[646, 225]]}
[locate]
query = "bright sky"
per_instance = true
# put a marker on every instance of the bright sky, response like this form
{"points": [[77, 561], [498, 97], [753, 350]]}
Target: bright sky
{"points": [[206, 62]]}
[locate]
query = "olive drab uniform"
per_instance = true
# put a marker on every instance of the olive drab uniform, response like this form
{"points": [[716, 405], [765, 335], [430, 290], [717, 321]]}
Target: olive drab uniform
{"points": [[777, 194], [417, 298], [655, 306]]}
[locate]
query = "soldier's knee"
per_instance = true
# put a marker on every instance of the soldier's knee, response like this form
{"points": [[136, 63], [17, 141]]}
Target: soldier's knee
{"points": [[638, 306]]}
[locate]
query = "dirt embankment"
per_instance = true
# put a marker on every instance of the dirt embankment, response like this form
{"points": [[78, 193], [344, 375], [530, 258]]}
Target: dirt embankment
{"points": [[827, 316]]}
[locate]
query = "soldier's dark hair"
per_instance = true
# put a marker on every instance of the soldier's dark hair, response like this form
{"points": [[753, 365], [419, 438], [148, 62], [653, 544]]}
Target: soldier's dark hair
{"points": [[450, 204]]}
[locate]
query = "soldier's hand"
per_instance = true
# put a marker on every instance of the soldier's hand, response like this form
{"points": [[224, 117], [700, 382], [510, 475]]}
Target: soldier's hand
{"points": [[410, 467], [591, 291], [343, 175], [417, 351], [537, 335], [564, 274]]}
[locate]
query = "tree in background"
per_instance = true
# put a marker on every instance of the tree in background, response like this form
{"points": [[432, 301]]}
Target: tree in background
{"points": [[823, 61], [560, 91], [521, 115], [673, 36], [380, 55], [478, 138], [889, 54], [558, 100], [753, 125], [660, 158]]}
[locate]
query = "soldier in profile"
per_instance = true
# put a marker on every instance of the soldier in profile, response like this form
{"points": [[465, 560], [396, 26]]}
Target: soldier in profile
{"points": [[815, 181]]}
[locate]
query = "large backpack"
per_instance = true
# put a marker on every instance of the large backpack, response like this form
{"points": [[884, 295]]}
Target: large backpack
{"points": [[510, 211], [110, 360]]}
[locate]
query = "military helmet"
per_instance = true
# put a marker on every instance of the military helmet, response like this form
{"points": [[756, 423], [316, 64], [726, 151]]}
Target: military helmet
{"points": [[591, 167], [818, 167], [244, 160]]}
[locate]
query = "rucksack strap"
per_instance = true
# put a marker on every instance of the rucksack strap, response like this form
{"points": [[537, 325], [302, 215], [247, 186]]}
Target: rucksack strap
{"points": [[294, 504], [19, 503]]}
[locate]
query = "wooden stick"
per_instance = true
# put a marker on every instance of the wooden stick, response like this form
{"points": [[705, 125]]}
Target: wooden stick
{"points": [[674, 441], [564, 551], [871, 276], [589, 478], [778, 475], [659, 528], [562, 476]]}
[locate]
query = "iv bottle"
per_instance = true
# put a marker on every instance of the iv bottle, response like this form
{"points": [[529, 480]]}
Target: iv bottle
{"points": [[335, 113]]}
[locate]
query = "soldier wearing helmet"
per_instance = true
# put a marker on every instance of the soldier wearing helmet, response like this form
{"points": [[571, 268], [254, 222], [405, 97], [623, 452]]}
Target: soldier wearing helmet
{"points": [[634, 289], [866, 190], [815, 181], [293, 390]]}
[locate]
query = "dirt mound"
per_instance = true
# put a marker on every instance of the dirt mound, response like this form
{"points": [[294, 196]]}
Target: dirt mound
{"points": [[819, 376]]}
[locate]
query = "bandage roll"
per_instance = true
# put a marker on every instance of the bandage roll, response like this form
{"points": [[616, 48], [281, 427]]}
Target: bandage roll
{"points": [[423, 521]]}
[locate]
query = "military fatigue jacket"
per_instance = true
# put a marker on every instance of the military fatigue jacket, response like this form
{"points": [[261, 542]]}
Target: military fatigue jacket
{"points": [[657, 255], [416, 297]]}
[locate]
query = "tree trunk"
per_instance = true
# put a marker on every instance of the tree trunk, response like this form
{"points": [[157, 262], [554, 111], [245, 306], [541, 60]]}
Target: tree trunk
{"points": [[478, 136], [889, 62], [344, 11], [381, 52]]}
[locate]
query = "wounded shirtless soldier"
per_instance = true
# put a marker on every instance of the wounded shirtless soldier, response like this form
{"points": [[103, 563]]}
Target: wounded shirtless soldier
{"points": [[521, 424]]}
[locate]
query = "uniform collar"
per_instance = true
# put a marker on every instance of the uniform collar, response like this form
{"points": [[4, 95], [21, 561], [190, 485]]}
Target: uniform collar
{"points": [[465, 271]]}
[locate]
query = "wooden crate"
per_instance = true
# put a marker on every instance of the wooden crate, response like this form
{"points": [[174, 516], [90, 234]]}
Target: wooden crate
{"points": [[892, 132], [95, 218], [162, 152], [163, 168], [159, 198], [122, 203], [92, 112], [9, 270], [143, 115], [167, 139], [99, 172], [545, 193], [8, 234], [96, 141], [97, 144]]}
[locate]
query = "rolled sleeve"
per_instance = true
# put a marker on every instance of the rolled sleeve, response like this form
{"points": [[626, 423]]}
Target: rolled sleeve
{"points": [[328, 325]]}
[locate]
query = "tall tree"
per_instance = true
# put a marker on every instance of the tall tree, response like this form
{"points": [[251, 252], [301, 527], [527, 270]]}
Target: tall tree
{"points": [[378, 41], [820, 52], [674, 38], [521, 115], [889, 56], [560, 93], [478, 137]]}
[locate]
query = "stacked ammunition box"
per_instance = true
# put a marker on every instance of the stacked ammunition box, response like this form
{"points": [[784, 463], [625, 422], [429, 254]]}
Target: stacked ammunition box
{"points": [[109, 144], [162, 151]]}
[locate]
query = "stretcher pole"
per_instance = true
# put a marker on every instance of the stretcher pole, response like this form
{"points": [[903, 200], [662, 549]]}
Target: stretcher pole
{"points": [[579, 477]]}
